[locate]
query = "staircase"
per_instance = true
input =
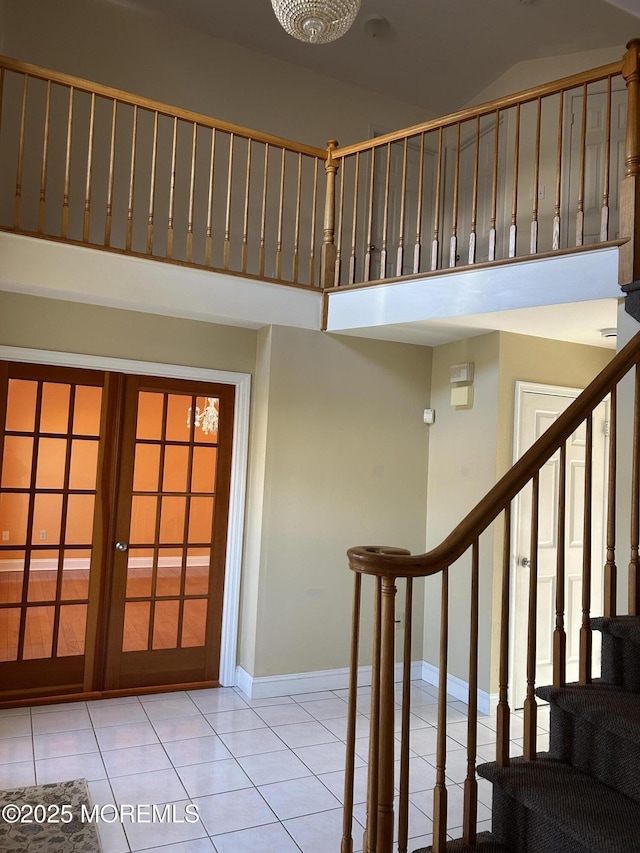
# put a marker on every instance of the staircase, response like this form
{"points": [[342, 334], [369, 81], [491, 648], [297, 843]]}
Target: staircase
{"points": [[583, 795]]}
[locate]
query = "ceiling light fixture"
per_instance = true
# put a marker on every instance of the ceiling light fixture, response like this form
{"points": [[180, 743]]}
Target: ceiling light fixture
{"points": [[316, 21]]}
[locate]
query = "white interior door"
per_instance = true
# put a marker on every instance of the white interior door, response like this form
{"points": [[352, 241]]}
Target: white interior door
{"points": [[537, 407]]}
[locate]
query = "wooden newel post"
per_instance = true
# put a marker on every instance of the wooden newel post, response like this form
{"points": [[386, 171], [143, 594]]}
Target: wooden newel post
{"points": [[630, 188], [328, 254], [387, 708]]}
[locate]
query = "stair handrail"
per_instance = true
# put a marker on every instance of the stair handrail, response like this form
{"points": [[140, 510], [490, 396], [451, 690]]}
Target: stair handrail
{"points": [[395, 562]]}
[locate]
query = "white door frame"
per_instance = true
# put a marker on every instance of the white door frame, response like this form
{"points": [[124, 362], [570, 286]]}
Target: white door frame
{"points": [[239, 456]]}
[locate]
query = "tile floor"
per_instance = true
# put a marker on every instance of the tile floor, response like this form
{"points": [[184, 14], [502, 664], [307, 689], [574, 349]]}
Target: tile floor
{"points": [[266, 775]]}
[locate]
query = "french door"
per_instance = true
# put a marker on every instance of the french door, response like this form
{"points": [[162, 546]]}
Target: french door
{"points": [[114, 498]]}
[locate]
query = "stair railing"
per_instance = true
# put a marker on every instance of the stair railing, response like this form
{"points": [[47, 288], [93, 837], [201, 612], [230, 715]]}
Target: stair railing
{"points": [[388, 565]]}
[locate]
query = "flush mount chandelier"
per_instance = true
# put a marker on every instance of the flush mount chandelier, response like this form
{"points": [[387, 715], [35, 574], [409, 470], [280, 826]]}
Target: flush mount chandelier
{"points": [[316, 21]]}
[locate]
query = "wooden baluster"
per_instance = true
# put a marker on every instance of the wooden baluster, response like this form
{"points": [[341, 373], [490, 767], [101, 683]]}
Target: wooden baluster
{"points": [[385, 217], [585, 629], [354, 224], [314, 208], [338, 264], [559, 634], [403, 200], [347, 815], [263, 219], [453, 246], [403, 807], [20, 168], [435, 244], [227, 219], [328, 255], [634, 560], [132, 181], [386, 733], [610, 568], [530, 706], [245, 222], [278, 269], [533, 247], [417, 249], [474, 197], [296, 231], [112, 162], [192, 187], [606, 176], [64, 231], [152, 185], [369, 843], [583, 152], [513, 229], [87, 192], [629, 205], [494, 192], [45, 158], [370, 247], [503, 712], [440, 789], [172, 189], [208, 239], [555, 239], [470, 816]]}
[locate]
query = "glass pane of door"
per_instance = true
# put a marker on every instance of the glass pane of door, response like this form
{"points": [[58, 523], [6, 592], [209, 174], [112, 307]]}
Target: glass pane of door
{"points": [[48, 475]]}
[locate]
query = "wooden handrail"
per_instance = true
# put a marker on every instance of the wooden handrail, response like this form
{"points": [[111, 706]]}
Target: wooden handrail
{"points": [[379, 560], [523, 97], [82, 85]]}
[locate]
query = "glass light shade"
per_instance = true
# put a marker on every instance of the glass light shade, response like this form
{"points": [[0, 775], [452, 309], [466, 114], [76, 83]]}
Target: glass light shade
{"points": [[316, 21]]}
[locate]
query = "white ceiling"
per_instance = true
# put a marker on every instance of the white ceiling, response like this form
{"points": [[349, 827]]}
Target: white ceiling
{"points": [[437, 54]]}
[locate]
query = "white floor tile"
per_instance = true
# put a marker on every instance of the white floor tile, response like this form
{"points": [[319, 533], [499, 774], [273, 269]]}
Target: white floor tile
{"points": [[252, 742], [304, 734], [18, 725], [169, 709], [150, 788], [270, 767], [116, 715], [325, 757], [143, 836], [326, 709], [223, 813], [125, 762], [61, 721], [197, 750], [272, 838], [216, 777], [18, 773], [217, 699], [298, 797], [14, 749], [181, 729], [122, 736], [322, 832], [88, 766], [234, 721], [64, 743], [195, 845], [282, 715]]}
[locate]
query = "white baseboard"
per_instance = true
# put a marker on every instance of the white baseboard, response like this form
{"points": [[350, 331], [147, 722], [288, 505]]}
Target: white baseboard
{"points": [[459, 688], [270, 686]]}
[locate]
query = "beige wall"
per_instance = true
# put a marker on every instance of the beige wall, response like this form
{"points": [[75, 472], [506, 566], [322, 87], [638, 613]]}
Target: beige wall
{"points": [[338, 457], [469, 450], [31, 321], [152, 56], [345, 450]]}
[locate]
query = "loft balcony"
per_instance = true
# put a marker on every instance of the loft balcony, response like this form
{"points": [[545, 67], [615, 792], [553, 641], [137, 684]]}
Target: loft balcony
{"points": [[523, 202]]}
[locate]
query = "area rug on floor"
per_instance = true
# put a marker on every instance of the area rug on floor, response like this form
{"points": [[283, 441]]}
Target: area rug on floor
{"points": [[33, 820]]}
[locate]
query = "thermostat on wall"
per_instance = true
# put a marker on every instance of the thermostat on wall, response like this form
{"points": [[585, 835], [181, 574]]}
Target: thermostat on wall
{"points": [[461, 372]]}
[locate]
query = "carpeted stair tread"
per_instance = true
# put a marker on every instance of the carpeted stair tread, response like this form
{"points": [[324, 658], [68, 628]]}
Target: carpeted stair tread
{"points": [[486, 843], [624, 627], [597, 817], [609, 707]]}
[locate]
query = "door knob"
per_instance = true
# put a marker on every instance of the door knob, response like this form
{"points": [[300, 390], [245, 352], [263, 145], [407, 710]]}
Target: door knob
{"points": [[525, 561], [121, 546]]}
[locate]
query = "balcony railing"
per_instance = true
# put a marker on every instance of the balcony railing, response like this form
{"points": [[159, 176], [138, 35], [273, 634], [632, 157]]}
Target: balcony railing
{"points": [[535, 172], [91, 165]]}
